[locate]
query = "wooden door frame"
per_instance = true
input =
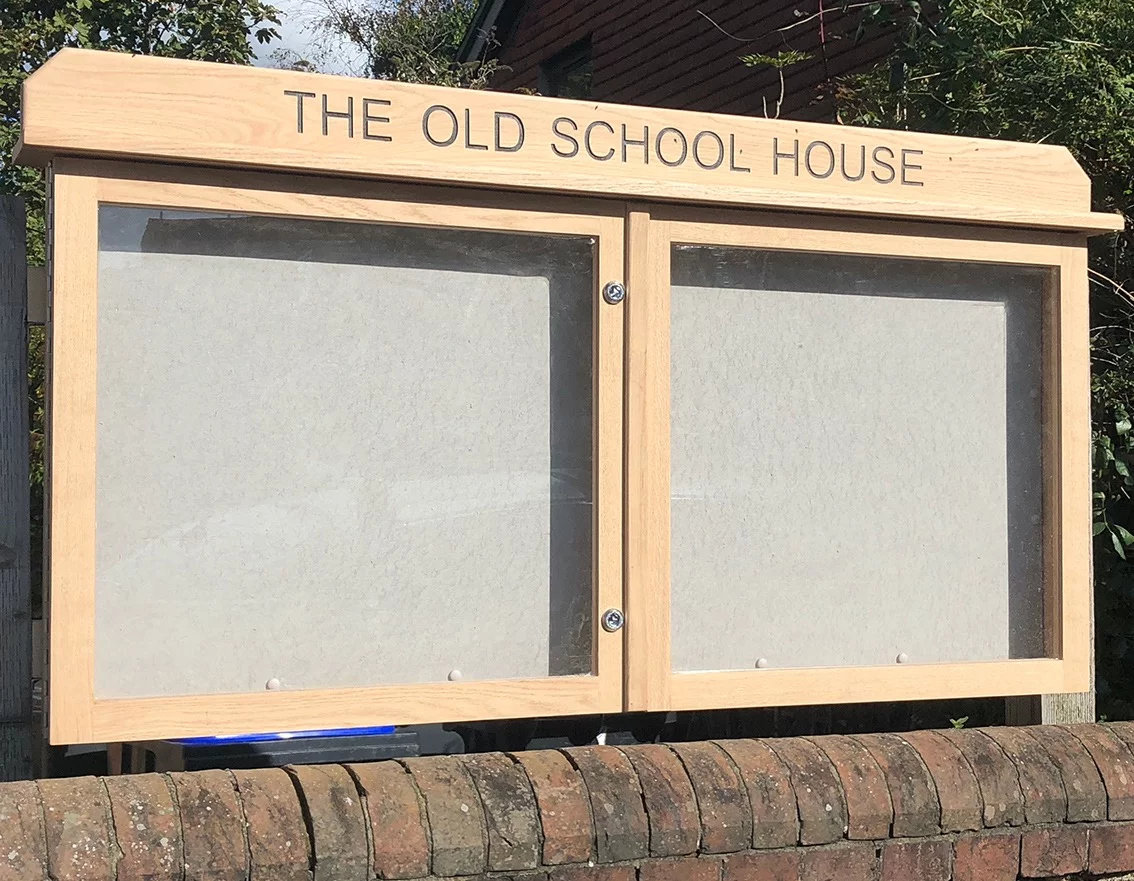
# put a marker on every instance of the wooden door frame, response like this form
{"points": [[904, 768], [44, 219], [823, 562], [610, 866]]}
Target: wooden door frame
{"points": [[77, 714], [631, 455], [651, 684]]}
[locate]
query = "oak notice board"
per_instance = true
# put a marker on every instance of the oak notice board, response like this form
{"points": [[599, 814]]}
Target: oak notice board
{"points": [[380, 403]]}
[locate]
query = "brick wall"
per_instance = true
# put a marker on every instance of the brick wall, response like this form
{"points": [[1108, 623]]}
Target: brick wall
{"points": [[977, 805], [668, 54]]}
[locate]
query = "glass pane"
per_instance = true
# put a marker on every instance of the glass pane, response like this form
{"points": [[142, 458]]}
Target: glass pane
{"points": [[856, 460], [339, 454]]}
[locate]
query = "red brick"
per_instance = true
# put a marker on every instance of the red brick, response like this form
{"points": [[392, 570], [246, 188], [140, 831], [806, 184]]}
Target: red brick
{"points": [[1056, 850], [818, 793], [917, 810], [726, 814], [987, 856], [592, 873], [456, 819], [1124, 731], [917, 861], [564, 807], [76, 829], [957, 789], [1086, 795], [775, 814], [621, 829], [146, 826], [869, 812], [1110, 848], [509, 810], [773, 865], [277, 834], [212, 826], [633, 42], [23, 849], [995, 775], [1115, 764], [1044, 798], [839, 862], [338, 824], [687, 869], [671, 807], [398, 831]]}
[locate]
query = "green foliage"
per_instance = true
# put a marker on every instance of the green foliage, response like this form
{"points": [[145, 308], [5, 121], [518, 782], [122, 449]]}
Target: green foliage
{"points": [[31, 31], [414, 41], [783, 58], [1062, 72], [960, 722], [37, 419], [779, 62]]}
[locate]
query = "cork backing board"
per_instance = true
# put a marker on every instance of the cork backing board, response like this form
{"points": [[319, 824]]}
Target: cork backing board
{"points": [[338, 454], [856, 460]]}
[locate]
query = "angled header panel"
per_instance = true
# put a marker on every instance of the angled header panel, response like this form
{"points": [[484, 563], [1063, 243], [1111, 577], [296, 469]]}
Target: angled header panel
{"points": [[110, 104]]}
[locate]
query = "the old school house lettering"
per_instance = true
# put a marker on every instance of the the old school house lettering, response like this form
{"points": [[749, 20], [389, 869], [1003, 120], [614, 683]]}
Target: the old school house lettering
{"points": [[603, 140]]}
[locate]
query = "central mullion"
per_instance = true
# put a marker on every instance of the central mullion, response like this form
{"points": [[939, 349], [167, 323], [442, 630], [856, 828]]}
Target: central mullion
{"points": [[609, 333], [647, 463]]}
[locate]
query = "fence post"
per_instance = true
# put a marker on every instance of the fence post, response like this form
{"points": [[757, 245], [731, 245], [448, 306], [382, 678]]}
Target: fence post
{"points": [[15, 552]]}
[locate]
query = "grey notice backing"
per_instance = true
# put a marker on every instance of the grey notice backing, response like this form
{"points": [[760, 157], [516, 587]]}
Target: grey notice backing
{"points": [[855, 466], [338, 454]]}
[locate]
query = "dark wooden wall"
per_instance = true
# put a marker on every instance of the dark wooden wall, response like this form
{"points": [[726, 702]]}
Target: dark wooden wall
{"points": [[15, 553], [666, 53]]}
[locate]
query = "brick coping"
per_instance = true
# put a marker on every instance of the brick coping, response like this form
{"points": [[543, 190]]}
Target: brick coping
{"points": [[958, 805]]}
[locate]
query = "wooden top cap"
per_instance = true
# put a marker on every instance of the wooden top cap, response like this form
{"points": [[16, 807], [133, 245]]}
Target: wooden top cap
{"points": [[107, 104]]}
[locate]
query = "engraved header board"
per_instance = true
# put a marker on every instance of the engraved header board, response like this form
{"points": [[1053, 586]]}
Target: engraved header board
{"points": [[113, 104], [344, 431]]}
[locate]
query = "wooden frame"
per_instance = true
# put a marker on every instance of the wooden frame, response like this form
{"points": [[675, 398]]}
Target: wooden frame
{"points": [[76, 713], [651, 683], [169, 133], [219, 114]]}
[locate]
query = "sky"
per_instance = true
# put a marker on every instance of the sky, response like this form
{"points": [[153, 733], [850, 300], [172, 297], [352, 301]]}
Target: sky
{"points": [[296, 26]]}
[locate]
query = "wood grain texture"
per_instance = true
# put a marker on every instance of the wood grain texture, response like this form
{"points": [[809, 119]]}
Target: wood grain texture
{"points": [[1067, 709], [650, 682], [76, 716], [17, 747], [631, 444], [607, 522], [187, 111], [1073, 521], [71, 443], [647, 463], [1074, 706], [1051, 709], [15, 512], [831, 685], [136, 719]]}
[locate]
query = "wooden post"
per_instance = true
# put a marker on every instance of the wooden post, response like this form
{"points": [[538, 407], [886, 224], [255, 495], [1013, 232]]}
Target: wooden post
{"points": [[1050, 709], [15, 552], [1057, 709]]}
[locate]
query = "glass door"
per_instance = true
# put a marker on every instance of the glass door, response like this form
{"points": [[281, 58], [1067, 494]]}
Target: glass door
{"points": [[846, 459], [349, 455]]}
